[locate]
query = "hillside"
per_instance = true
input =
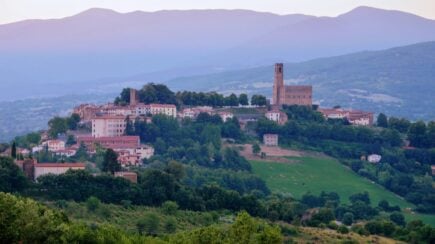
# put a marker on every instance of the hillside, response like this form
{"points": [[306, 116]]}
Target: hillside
{"points": [[100, 43], [315, 175], [396, 81]]}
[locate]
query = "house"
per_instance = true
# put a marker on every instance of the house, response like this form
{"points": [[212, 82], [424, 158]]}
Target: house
{"points": [[193, 112], [130, 176], [374, 158], [134, 156], [55, 168], [355, 117], [54, 145], [270, 139], [225, 115], [165, 109], [277, 116], [67, 152]]}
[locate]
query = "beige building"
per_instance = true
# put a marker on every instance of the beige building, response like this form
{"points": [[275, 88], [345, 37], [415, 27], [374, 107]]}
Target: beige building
{"points": [[108, 125], [165, 109], [270, 139], [55, 168], [54, 145]]}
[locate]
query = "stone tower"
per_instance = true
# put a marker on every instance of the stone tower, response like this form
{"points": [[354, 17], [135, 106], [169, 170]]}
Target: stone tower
{"points": [[278, 84], [133, 96]]}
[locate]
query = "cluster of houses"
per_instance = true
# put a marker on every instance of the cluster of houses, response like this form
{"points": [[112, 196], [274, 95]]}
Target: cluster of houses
{"points": [[108, 124]]}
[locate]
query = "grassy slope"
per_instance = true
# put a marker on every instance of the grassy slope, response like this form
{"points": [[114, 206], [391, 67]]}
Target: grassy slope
{"points": [[323, 174]]}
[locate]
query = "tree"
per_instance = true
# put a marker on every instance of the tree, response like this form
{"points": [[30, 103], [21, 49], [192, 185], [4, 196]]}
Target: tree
{"points": [[124, 97], [348, 218], [231, 100], [170, 225], [92, 203], [382, 120], [258, 100], [169, 207], [243, 99], [149, 224], [363, 197], [398, 218], [14, 150], [129, 128], [70, 140], [57, 125], [73, 121], [12, 178], [110, 163], [256, 148]]}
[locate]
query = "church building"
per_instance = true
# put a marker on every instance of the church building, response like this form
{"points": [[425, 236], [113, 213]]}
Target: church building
{"points": [[289, 95]]}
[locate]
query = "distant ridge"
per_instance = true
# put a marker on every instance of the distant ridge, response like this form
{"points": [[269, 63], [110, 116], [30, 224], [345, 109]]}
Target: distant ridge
{"points": [[398, 81], [100, 44]]}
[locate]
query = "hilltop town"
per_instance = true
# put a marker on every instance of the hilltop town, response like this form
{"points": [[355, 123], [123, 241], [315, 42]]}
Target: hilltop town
{"points": [[204, 151]]}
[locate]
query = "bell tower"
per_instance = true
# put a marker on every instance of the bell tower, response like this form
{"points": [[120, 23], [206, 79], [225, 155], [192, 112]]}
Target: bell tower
{"points": [[278, 84]]}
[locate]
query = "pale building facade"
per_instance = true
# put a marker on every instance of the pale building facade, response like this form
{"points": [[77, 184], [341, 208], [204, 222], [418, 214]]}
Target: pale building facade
{"points": [[55, 168], [277, 116], [270, 139], [108, 126]]}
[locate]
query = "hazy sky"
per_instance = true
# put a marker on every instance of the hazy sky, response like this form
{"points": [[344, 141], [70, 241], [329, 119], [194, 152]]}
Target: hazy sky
{"points": [[15, 10]]}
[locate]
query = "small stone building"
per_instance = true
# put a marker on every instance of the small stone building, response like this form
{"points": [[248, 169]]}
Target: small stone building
{"points": [[270, 139]]}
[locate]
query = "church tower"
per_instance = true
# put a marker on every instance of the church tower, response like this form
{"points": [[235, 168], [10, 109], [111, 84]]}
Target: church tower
{"points": [[278, 84]]}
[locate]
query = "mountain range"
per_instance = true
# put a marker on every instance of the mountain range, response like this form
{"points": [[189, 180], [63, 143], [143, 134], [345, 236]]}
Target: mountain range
{"points": [[99, 46]]}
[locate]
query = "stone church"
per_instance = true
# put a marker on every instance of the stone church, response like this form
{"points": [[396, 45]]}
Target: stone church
{"points": [[289, 95]]}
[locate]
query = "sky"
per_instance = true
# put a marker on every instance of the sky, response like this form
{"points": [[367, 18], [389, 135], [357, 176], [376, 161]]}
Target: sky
{"points": [[16, 10]]}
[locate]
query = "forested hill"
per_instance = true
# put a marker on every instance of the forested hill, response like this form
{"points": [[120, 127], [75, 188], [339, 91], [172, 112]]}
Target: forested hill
{"points": [[397, 81]]}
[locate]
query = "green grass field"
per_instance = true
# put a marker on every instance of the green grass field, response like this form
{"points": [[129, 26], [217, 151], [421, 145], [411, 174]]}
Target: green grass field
{"points": [[324, 174]]}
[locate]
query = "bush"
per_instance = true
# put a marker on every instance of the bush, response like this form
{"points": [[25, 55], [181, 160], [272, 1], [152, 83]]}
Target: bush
{"points": [[342, 229], [348, 218], [170, 225], [149, 224], [169, 207], [92, 203], [126, 204]]}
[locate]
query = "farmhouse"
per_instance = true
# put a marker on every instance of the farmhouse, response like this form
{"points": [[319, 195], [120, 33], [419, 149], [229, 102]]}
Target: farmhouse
{"points": [[277, 116], [270, 139]]}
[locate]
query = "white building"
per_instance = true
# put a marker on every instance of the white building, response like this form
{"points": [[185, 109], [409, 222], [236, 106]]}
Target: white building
{"points": [[277, 116], [165, 109], [226, 116], [56, 168], [54, 145], [270, 139], [374, 158], [108, 125]]}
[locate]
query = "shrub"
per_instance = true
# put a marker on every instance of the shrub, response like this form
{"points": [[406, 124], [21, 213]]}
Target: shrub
{"points": [[343, 229], [92, 203], [169, 207], [170, 225]]}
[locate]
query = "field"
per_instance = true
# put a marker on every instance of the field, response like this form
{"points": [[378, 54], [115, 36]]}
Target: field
{"points": [[307, 174]]}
